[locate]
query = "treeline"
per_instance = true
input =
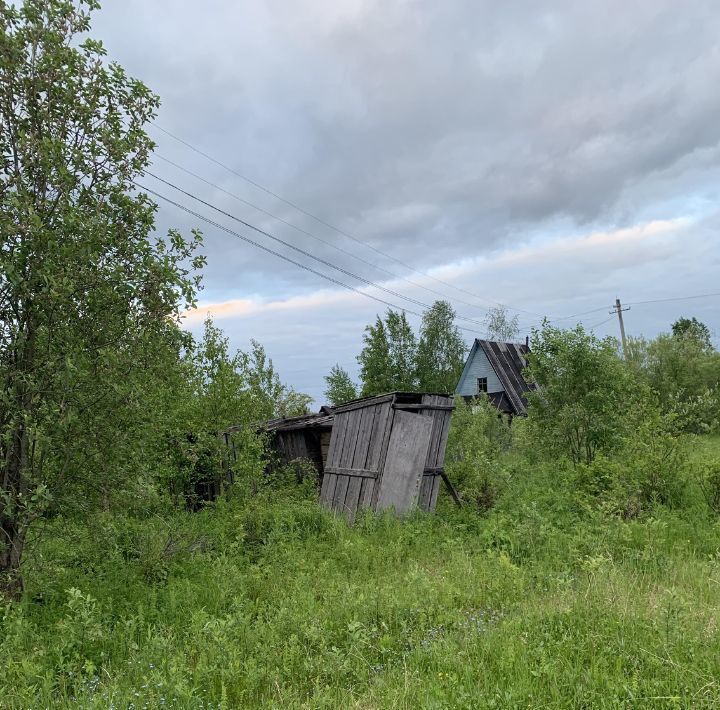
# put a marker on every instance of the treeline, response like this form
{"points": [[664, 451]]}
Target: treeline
{"points": [[394, 357]]}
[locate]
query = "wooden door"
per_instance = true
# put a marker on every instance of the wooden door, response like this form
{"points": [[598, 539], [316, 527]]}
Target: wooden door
{"points": [[405, 461]]}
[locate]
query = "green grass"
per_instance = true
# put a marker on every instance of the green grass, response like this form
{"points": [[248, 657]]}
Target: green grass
{"points": [[544, 602]]}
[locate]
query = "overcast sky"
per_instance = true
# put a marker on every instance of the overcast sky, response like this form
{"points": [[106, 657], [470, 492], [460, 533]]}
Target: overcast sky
{"points": [[550, 156]]}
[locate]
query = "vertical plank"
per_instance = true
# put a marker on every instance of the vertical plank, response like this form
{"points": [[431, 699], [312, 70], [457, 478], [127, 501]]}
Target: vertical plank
{"points": [[337, 436], [327, 491], [345, 458], [380, 446], [404, 463], [442, 446], [428, 480], [359, 461]]}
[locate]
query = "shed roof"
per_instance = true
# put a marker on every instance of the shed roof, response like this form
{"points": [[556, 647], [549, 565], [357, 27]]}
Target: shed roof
{"points": [[320, 420], [398, 396]]}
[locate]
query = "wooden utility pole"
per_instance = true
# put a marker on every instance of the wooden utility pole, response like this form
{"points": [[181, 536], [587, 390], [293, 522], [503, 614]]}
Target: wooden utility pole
{"points": [[617, 308]]}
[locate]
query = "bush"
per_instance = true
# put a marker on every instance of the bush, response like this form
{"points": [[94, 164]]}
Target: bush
{"points": [[584, 402], [477, 437], [649, 469], [709, 479]]}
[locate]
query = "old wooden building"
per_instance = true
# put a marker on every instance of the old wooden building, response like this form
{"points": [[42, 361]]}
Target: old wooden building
{"points": [[304, 437], [387, 452], [496, 369]]}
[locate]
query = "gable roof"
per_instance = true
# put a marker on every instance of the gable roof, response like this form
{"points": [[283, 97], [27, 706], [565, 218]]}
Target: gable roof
{"points": [[508, 360]]}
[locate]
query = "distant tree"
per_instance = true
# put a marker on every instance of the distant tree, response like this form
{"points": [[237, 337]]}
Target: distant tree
{"points": [[339, 386], [694, 329], [500, 326], [374, 360], [402, 351], [441, 350]]}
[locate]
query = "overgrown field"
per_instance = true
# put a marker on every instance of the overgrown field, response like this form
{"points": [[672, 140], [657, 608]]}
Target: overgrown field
{"points": [[545, 601]]}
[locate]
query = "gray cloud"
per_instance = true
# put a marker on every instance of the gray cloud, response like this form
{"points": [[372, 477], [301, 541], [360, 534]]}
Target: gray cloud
{"points": [[437, 131]]}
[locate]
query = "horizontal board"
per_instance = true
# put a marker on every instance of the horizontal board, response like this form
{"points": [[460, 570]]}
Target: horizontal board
{"points": [[357, 472]]}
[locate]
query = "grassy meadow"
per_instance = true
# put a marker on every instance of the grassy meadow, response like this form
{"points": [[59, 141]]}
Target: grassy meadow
{"points": [[545, 601]]}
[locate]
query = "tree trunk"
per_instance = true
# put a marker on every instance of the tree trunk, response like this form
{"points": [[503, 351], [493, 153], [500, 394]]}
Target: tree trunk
{"points": [[11, 549]]}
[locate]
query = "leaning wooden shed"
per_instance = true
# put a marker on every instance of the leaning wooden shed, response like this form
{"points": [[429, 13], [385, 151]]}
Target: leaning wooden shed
{"points": [[303, 437], [386, 452]]}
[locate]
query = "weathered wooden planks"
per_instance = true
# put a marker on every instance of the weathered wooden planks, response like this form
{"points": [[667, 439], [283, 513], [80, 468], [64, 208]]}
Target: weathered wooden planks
{"points": [[386, 452], [439, 408], [404, 463]]}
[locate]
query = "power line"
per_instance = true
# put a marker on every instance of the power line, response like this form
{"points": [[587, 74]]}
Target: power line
{"points": [[602, 322], [678, 298], [282, 256], [325, 262], [242, 200], [327, 224], [574, 315]]}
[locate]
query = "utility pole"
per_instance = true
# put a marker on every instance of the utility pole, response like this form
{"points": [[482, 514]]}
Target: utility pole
{"points": [[617, 308]]}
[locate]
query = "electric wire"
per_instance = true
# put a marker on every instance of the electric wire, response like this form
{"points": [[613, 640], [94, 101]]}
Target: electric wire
{"points": [[308, 254], [337, 248], [327, 224], [278, 254], [668, 300]]}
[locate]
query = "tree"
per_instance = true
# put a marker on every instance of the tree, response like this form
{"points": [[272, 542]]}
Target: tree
{"points": [[89, 300], [584, 393], [402, 351], [693, 329], [441, 350], [374, 360], [218, 390], [339, 386], [500, 326]]}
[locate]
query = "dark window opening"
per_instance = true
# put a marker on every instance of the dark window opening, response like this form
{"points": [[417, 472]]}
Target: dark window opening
{"points": [[482, 384]]}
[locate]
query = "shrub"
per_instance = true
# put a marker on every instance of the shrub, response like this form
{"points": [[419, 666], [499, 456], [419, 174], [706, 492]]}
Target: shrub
{"points": [[477, 437], [584, 401], [649, 469]]}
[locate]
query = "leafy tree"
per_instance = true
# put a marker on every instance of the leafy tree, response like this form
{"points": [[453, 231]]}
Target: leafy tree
{"points": [[339, 386], [218, 390], [585, 394], [374, 360], [88, 299], [500, 326], [441, 350], [402, 350], [694, 329]]}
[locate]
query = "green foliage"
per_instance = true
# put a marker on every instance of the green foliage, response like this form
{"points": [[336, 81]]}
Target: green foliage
{"points": [[500, 326], [374, 360], [402, 351], [217, 390], [441, 350], [692, 329], [586, 400], [89, 301], [269, 601], [476, 440], [393, 358], [685, 372], [339, 387], [388, 358]]}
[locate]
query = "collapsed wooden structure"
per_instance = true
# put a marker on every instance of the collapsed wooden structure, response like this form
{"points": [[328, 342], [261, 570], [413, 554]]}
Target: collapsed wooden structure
{"points": [[387, 452], [304, 437], [380, 452]]}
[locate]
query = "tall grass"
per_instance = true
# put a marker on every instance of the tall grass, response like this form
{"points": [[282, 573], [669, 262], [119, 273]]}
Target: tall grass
{"points": [[544, 601]]}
